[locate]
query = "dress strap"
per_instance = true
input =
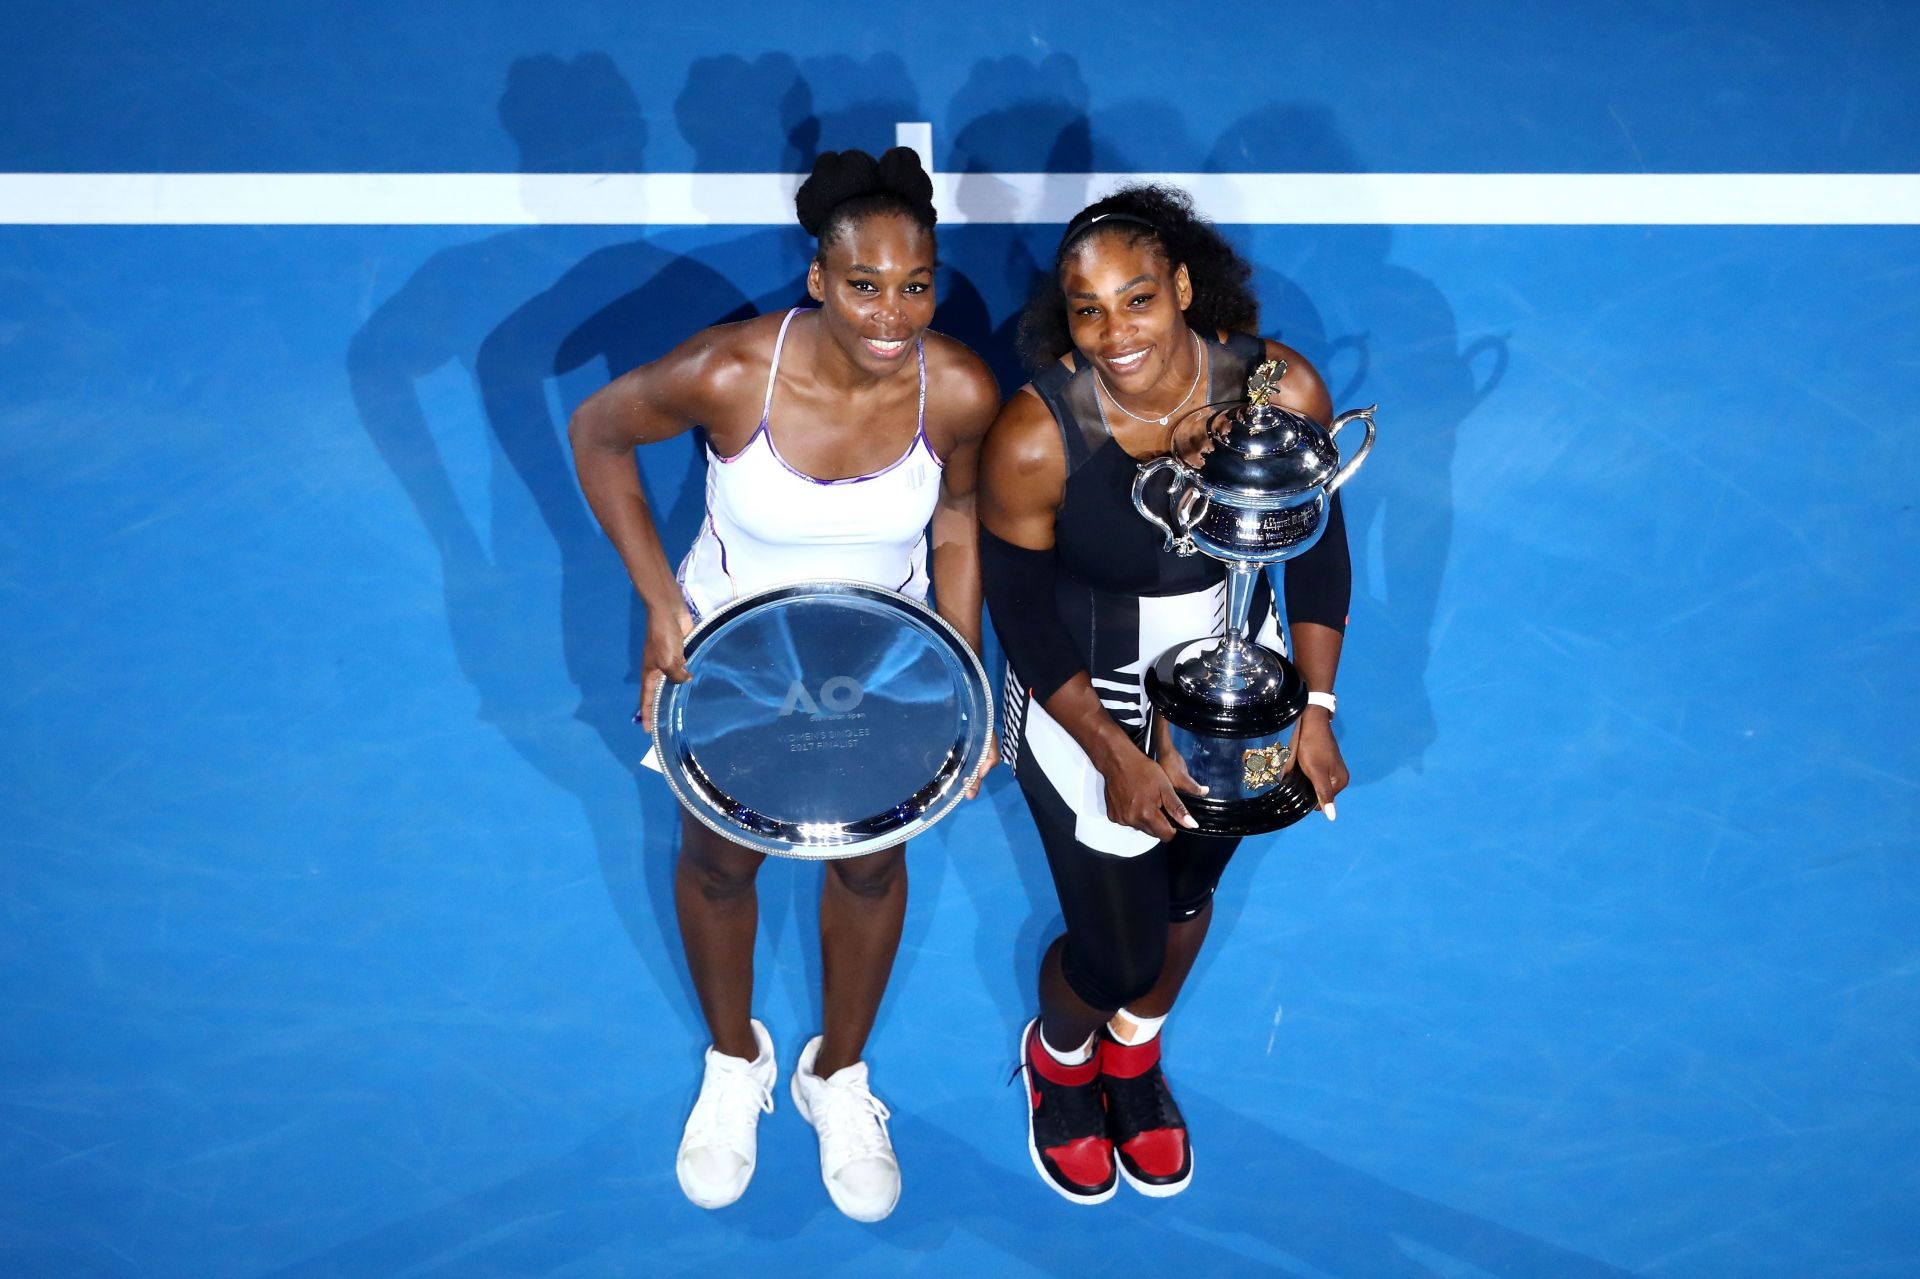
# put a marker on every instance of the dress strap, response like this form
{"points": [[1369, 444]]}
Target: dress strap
{"points": [[1240, 353], [1068, 395], [773, 370]]}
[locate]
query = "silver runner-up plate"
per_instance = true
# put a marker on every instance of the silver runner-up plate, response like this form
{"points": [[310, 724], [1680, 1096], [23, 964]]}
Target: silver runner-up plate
{"points": [[823, 720]]}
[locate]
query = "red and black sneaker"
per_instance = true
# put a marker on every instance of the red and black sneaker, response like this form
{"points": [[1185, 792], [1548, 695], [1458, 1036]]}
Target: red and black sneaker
{"points": [[1149, 1135], [1066, 1127]]}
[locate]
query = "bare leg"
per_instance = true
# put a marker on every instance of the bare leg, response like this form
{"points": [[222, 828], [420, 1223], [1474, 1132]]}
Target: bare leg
{"points": [[1066, 1021], [1184, 940], [863, 903], [715, 897]]}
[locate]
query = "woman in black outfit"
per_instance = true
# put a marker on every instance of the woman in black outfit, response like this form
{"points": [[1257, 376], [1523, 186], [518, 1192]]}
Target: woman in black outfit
{"points": [[1151, 318]]}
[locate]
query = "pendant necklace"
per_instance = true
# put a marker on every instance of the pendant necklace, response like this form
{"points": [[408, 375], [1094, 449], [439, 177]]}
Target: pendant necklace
{"points": [[1199, 366]]}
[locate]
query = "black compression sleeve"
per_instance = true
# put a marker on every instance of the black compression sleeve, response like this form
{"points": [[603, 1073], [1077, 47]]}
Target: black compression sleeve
{"points": [[1019, 586], [1319, 584]]}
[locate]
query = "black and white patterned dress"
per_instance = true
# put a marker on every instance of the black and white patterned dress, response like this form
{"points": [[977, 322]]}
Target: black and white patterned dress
{"points": [[1122, 596]]}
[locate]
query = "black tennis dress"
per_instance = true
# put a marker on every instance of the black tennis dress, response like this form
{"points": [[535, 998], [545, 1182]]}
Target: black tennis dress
{"points": [[1123, 597]]}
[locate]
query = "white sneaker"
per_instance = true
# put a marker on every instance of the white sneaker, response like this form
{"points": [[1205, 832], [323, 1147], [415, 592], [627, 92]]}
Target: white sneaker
{"points": [[720, 1145], [856, 1155]]}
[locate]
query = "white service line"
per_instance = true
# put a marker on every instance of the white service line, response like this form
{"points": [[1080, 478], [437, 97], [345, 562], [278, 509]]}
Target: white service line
{"points": [[766, 199]]}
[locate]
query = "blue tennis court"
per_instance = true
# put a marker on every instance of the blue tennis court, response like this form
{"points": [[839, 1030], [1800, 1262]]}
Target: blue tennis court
{"points": [[339, 932]]}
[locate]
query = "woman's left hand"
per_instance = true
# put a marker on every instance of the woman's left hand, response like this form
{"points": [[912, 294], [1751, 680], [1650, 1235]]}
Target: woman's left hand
{"points": [[986, 765], [1317, 754]]}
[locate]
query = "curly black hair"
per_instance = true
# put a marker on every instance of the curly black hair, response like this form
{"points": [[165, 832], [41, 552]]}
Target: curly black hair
{"points": [[1162, 216], [846, 186]]}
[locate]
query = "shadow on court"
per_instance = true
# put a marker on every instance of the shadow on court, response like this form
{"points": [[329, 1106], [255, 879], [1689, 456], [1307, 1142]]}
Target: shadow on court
{"points": [[514, 311], [540, 318]]}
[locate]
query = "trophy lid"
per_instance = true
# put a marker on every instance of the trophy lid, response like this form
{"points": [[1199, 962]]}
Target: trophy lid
{"points": [[1256, 449]]}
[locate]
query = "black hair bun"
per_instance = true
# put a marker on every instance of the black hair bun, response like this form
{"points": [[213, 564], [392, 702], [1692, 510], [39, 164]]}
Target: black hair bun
{"points": [[839, 176], [901, 174]]}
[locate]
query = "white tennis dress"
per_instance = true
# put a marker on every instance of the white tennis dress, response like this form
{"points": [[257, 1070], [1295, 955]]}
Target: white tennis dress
{"points": [[769, 524]]}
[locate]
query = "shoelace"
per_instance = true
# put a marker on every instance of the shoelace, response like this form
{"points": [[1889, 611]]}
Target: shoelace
{"points": [[1074, 1109], [719, 1117], [1145, 1104], [852, 1120]]}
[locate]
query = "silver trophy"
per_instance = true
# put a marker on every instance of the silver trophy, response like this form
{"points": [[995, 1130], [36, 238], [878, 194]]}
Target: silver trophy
{"points": [[1249, 485], [823, 720]]}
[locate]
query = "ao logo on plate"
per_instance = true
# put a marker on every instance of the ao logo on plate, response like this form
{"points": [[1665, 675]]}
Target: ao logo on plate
{"points": [[837, 696]]}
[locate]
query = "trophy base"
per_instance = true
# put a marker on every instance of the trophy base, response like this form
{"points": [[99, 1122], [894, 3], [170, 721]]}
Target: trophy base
{"points": [[1225, 709], [1222, 688], [1271, 810]]}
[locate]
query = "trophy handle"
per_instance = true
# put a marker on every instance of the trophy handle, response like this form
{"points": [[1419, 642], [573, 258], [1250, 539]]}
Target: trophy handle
{"points": [[1189, 511], [1177, 541], [1360, 455]]}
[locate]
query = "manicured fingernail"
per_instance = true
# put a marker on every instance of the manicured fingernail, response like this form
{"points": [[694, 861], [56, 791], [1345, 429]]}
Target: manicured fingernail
{"points": [[1329, 811], [1189, 823], [636, 717]]}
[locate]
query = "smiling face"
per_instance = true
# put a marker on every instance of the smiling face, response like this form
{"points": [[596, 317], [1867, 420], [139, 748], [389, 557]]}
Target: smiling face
{"points": [[1126, 310], [874, 284]]}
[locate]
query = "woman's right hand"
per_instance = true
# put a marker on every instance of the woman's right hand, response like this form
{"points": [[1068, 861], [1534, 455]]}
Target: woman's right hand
{"points": [[1141, 794], [665, 654]]}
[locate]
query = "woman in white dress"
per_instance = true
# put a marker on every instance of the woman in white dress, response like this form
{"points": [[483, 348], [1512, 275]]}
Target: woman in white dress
{"points": [[841, 442]]}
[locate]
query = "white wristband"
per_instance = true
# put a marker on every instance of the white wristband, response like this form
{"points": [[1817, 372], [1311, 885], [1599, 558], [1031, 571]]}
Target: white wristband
{"points": [[1317, 698]]}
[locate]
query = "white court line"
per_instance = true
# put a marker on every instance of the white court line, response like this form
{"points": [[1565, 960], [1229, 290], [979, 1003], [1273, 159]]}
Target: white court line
{"points": [[766, 199]]}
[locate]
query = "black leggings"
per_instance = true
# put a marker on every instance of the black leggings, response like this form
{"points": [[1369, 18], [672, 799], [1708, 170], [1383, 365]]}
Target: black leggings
{"points": [[1118, 908]]}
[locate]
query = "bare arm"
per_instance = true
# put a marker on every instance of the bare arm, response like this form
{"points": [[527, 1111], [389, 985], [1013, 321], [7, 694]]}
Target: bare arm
{"points": [[969, 400], [1301, 388], [656, 401]]}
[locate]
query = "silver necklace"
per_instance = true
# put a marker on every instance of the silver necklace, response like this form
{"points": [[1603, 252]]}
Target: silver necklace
{"points": [[1199, 366]]}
